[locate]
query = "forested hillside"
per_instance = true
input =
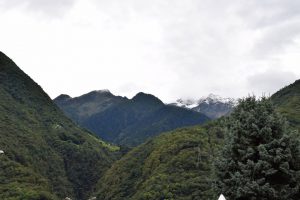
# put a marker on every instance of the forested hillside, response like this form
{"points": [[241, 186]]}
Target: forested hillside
{"points": [[287, 101], [46, 156], [174, 165]]}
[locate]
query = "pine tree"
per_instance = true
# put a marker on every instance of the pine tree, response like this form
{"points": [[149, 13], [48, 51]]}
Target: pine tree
{"points": [[260, 159]]}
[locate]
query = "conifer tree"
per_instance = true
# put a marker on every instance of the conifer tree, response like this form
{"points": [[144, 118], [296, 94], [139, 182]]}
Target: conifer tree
{"points": [[260, 159]]}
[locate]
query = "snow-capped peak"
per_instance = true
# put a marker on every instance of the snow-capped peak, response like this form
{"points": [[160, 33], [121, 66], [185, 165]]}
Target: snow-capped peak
{"points": [[212, 98], [213, 106]]}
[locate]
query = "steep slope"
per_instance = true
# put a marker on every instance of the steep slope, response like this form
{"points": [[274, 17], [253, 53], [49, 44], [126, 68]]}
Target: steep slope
{"points": [[174, 165], [288, 102], [212, 106], [133, 121], [45, 155]]}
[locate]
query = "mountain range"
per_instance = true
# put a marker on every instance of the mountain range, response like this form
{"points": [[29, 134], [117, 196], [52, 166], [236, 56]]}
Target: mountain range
{"points": [[46, 156], [126, 121]]}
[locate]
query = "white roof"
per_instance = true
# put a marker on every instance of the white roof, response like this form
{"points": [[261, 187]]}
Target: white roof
{"points": [[221, 197], [1, 151]]}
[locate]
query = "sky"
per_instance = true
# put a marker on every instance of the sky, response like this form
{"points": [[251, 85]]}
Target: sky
{"points": [[170, 48]]}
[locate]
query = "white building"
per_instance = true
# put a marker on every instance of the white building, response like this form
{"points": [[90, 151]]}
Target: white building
{"points": [[1, 152], [221, 197]]}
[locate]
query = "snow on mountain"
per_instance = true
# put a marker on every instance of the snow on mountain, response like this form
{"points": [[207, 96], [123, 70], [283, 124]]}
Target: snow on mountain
{"points": [[212, 98], [214, 106]]}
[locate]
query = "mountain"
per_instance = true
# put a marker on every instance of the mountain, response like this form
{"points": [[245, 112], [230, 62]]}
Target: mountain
{"points": [[44, 154], [126, 121], [81, 108], [287, 101], [173, 165], [212, 106]]}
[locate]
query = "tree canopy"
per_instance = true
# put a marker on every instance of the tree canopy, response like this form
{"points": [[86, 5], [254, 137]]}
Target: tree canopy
{"points": [[261, 157]]}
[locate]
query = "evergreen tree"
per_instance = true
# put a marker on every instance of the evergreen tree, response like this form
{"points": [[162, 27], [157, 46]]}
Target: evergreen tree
{"points": [[261, 158]]}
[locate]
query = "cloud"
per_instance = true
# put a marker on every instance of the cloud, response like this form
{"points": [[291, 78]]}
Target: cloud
{"points": [[277, 39], [275, 25], [171, 48], [49, 8], [267, 13], [270, 81]]}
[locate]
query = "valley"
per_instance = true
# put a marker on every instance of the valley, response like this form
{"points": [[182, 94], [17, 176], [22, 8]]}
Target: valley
{"points": [[111, 147]]}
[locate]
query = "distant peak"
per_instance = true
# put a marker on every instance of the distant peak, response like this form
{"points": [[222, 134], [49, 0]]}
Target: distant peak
{"points": [[102, 91], [213, 98], [210, 99], [98, 92], [141, 96], [62, 97], [95, 94]]}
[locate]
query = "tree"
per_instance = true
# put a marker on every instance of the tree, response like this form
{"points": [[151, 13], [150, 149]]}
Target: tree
{"points": [[261, 157]]}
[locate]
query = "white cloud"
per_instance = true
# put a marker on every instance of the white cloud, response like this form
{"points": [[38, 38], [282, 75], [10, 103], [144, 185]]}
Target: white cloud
{"points": [[48, 8], [171, 48], [270, 81]]}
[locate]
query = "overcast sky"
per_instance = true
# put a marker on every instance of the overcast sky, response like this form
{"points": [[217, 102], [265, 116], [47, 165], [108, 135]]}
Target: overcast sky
{"points": [[170, 48]]}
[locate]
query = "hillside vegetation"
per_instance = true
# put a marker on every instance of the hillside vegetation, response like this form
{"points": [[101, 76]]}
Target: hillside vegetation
{"points": [[174, 165], [46, 156], [287, 101]]}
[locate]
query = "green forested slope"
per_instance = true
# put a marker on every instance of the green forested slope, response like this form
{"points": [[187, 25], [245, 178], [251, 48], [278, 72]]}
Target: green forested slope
{"points": [[287, 101], [174, 165], [45, 155]]}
